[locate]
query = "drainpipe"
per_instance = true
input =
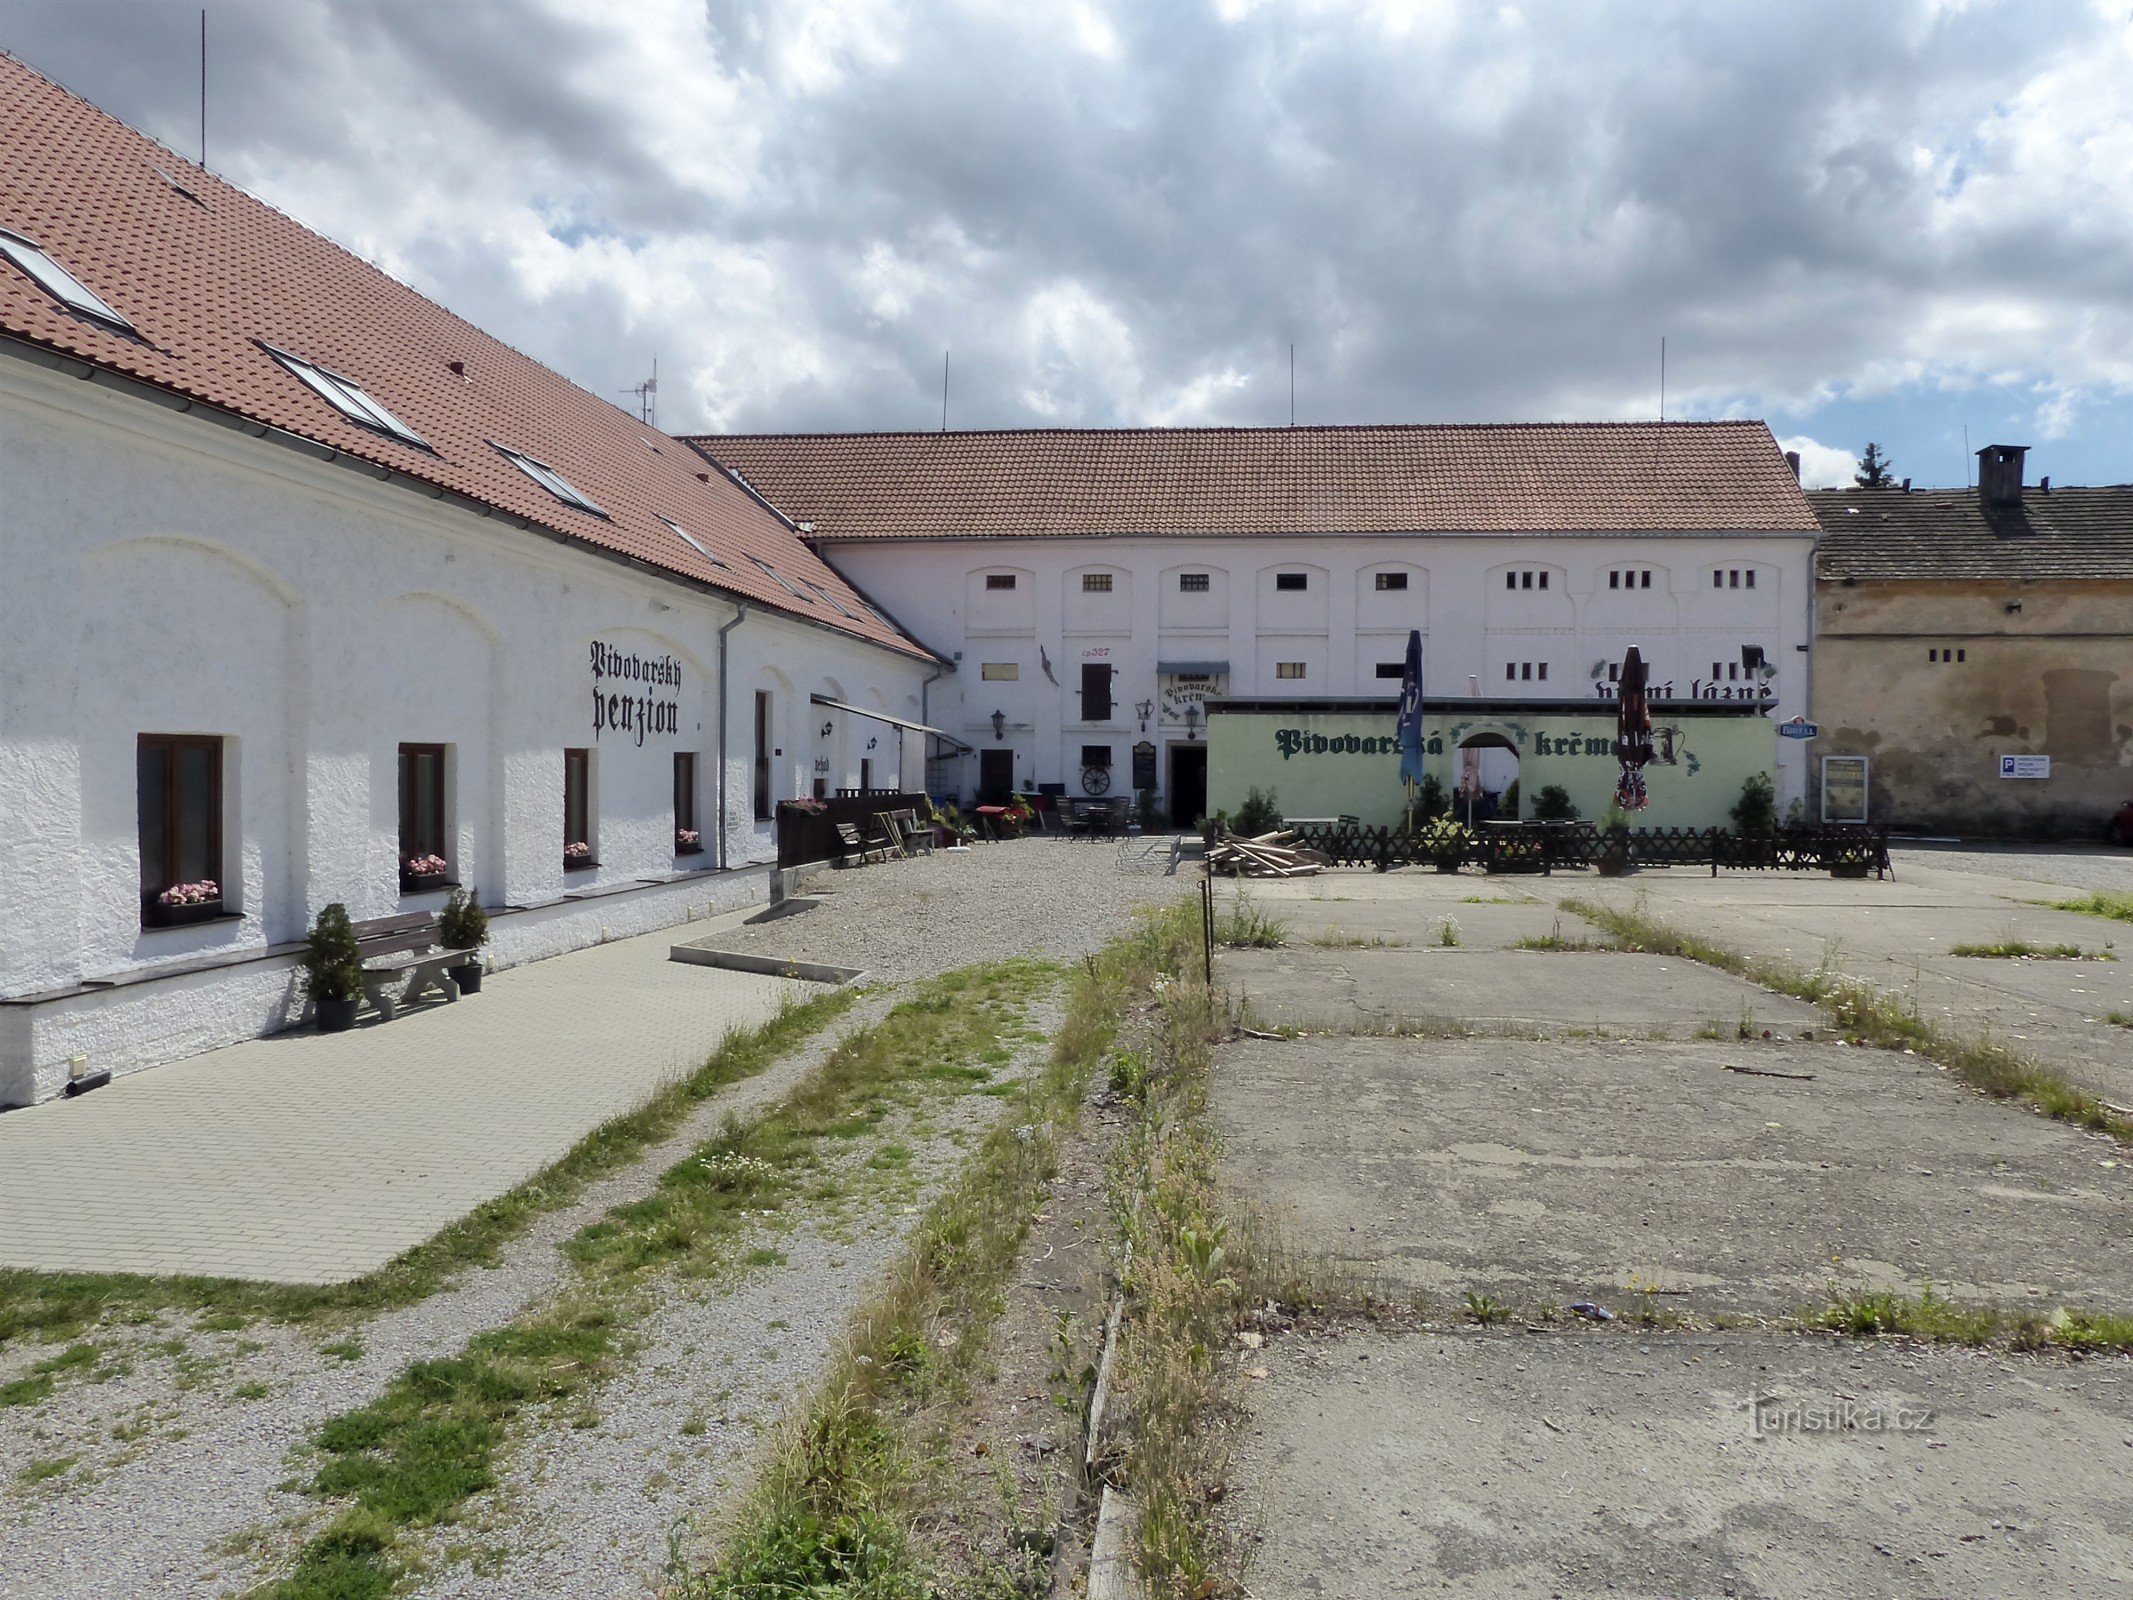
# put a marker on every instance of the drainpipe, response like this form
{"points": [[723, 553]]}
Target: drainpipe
{"points": [[740, 615], [939, 673]]}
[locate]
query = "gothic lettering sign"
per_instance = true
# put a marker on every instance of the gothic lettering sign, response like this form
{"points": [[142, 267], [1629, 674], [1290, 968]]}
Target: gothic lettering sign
{"points": [[634, 695], [1144, 765], [1177, 690]]}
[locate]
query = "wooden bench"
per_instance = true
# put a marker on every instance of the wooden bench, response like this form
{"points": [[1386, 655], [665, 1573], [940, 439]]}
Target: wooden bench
{"points": [[401, 961], [861, 850]]}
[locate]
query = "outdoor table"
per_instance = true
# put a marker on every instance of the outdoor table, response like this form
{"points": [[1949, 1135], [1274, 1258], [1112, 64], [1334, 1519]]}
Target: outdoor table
{"points": [[986, 816]]}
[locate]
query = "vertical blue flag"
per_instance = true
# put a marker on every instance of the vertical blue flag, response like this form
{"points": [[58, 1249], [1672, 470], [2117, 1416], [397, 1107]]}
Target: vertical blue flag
{"points": [[1410, 724]]}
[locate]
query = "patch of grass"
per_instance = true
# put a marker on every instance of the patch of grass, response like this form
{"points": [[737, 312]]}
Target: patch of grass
{"points": [[1335, 939], [1483, 1309], [60, 1305], [2106, 903], [2118, 1019], [49, 1467], [1556, 939], [253, 1391], [833, 1510], [1448, 933], [43, 1377], [1244, 925], [1863, 1015], [412, 1457], [1931, 1316], [343, 1350], [2023, 950]]}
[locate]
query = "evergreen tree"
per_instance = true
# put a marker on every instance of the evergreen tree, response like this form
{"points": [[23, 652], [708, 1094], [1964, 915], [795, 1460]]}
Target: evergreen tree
{"points": [[1873, 470]]}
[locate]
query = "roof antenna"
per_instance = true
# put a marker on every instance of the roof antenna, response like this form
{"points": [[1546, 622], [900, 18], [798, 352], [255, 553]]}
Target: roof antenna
{"points": [[1292, 383], [1662, 380], [1969, 460], [203, 88], [944, 391], [647, 394]]}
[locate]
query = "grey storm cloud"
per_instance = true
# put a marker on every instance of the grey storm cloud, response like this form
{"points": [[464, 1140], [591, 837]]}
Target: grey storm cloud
{"points": [[1126, 213]]}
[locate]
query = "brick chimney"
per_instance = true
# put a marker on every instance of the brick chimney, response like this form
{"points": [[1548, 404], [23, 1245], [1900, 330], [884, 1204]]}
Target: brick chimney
{"points": [[1999, 474]]}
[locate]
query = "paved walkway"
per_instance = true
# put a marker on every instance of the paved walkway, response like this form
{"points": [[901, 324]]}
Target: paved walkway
{"points": [[313, 1158]]}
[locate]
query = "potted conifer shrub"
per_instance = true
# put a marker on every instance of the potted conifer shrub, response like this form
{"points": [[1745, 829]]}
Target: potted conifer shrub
{"points": [[332, 965], [463, 925]]}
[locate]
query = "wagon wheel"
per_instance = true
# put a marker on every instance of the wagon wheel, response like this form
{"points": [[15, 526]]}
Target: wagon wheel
{"points": [[1095, 780]]}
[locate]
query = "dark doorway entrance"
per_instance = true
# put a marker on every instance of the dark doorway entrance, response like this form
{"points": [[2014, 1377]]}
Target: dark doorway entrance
{"points": [[1188, 784], [996, 776]]}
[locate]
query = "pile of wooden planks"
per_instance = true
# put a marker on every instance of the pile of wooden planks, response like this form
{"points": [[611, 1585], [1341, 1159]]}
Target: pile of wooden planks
{"points": [[1270, 855]]}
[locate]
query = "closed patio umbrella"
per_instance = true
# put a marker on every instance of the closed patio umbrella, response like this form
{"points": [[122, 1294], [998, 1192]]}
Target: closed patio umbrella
{"points": [[1633, 732], [1409, 727]]}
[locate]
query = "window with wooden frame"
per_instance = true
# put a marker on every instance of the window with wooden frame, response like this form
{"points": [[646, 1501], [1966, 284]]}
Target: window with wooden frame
{"points": [[688, 838], [178, 792], [1288, 669], [1387, 581], [1096, 691], [577, 811], [423, 863]]}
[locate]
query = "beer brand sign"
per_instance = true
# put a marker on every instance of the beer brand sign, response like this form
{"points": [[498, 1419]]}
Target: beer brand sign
{"points": [[634, 696]]}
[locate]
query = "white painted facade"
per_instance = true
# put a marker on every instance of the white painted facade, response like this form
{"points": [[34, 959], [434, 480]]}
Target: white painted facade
{"points": [[161, 574], [1529, 615]]}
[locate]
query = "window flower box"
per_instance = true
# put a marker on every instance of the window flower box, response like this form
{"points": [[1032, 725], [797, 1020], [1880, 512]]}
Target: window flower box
{"points": [[688, 842], [182, 903], [424, 872], [578, 856]]}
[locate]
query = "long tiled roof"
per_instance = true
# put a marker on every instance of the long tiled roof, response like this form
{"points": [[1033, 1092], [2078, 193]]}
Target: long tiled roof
{"points": [[1883, 534], [1454, 478], [207, 276]]}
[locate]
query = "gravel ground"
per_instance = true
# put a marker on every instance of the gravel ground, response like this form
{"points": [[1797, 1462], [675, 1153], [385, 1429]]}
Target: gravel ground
{"points": [[900, 920], [2080, 867], [178, 1455]]}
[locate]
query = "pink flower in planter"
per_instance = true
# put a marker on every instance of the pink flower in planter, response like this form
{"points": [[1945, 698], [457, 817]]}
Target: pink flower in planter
{"points": [[687, 836], [426, 866], [190, 894], [577, 850]]}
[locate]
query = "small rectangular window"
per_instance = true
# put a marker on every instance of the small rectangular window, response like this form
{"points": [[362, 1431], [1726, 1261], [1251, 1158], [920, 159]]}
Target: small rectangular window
{"points": [[178, 794], [762, 755], [999, 580], [1733, 578], [1751, 578], [692, 541], [548, 478], [577, 811], [423, 862], [1096, 691], [1962, 655], [1525, 580], [1544, 580], [1096, 583], [347, 397], [1288, 669], [1392, 669], [1292, 580], [1718, 578], [1000, 672], [1510, 580], [1614, 672], [1932, 655], [1543, 673], [1647, 580], [56, 281], [1614, 580], [688, 838], [1510, 672], [1096, 755], [1391, 580], [1193, 582], [1525, 671]]}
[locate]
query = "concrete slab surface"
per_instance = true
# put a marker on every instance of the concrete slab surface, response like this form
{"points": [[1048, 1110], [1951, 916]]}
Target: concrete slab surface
{"points": [[314, 1158], [1494, 923], [1568, 1169], [1605, 1463], [1306, 987]]}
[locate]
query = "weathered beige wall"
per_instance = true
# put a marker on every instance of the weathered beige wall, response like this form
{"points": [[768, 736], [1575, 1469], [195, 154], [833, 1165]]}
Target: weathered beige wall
{"points": [[2054, 678]]}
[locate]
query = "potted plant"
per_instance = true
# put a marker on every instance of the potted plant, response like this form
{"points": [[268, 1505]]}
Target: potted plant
{"points": [[688, 842], [463, 925], [423, 872], [1444, 841], [332, 965], [577, 854], [1613, 859]]}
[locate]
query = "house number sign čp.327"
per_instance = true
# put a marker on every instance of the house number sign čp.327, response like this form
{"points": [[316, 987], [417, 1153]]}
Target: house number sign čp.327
{"points": [[634, 695]]}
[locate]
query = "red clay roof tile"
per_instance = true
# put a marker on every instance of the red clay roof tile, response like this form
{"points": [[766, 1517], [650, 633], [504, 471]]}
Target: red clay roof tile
{"points": [[206, 280]]}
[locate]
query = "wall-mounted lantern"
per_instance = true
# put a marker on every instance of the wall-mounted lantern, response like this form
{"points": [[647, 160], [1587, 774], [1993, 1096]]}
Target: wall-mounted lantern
{"points": [[829, 728], [1192, 722], [999, 725], [1144, 711]]}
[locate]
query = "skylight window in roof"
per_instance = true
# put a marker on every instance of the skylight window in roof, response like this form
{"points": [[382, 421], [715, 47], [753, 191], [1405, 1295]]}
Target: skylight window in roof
{"points": [[347, 397], [550, 479], [832, 599], [691, 541], [56, 281], [782, 581], [175, 184]]}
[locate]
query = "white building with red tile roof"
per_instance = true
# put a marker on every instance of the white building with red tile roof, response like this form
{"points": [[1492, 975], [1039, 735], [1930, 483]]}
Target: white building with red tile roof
{"points": [[314, 592], [1095, 586]]}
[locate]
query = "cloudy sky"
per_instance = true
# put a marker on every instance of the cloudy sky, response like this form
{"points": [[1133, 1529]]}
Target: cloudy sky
{"points": [[1886, 219]]}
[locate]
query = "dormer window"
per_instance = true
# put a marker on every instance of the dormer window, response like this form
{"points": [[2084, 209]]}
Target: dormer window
{"points": [[550, 479], [691, 541], [56, 281], [347, 397]]}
